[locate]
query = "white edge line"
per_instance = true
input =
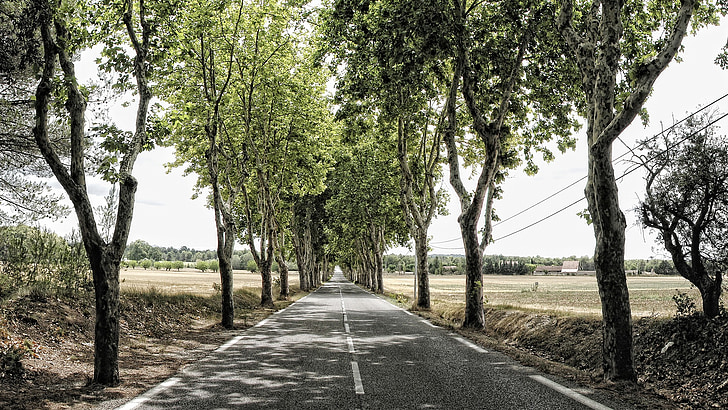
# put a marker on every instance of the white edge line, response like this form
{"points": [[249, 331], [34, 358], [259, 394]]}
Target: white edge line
{"points": [[471, 345], [350, 343], [358, 387], [139, 400], [430, 324], [346, 328], [569, 393], [229, 344]]}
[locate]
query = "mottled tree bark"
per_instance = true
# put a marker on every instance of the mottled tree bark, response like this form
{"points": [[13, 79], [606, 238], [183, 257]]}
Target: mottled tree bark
{"points": [[597, 53], [104, 258]]}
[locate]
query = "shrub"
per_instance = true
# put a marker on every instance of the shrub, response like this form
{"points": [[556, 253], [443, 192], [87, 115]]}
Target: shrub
{"points": [[146, 263], [201, 265], [213, 265], [11, 356], [178, 265], [685, 303], [252, 266]]}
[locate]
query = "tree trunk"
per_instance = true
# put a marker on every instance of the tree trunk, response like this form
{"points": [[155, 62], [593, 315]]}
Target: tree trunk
{"points": [[710, 291], [609, 230], [105, 270], [266, 293], [474, 314], [283, 269], [224, 255], [423, 277]]}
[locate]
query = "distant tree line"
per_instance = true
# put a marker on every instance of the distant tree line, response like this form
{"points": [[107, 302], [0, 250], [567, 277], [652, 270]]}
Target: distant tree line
{"points": [[517, 265], [141, 254]]}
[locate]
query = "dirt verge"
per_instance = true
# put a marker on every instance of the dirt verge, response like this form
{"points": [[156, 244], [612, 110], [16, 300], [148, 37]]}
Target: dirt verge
{"points": [[159, 334]]}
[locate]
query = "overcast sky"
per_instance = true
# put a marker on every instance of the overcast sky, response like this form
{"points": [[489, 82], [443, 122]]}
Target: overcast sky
{"points": [[165, 214]]}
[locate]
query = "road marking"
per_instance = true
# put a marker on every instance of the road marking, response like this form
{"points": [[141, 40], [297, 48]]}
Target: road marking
{"points": [[350, 342], [346, 328], [430, 324], [358, 387], [471, 345], [569, 393], [150, 394], [229, 343]]}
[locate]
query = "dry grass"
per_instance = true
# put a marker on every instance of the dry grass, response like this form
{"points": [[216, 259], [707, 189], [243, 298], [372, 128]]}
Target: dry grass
{"points": [[190, 281], [649, 295]]}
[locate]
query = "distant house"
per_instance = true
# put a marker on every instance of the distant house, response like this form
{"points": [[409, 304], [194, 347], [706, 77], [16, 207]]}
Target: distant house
{"points": [[570, 267], [546, 270]]}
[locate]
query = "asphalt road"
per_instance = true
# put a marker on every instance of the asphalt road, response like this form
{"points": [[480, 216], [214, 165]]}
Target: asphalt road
{"points": [[343, 348]]}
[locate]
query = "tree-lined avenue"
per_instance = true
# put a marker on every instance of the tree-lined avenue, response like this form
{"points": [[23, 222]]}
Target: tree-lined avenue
{"points": [[342, 347]]}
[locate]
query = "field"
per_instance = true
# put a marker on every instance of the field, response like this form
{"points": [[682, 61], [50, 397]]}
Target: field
{"points": [[649, 295], [190, 280]]}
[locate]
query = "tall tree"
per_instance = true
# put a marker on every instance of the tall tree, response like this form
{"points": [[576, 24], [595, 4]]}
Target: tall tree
{"points": [[23, 199], [199, 88], [62, 36], [686, 202], [620, 47], [364, 207], [387, 50], [514, 82]]}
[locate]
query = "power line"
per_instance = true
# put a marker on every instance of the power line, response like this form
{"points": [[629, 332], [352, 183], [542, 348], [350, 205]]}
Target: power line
{"points": [[629, 150], [629, 171]]}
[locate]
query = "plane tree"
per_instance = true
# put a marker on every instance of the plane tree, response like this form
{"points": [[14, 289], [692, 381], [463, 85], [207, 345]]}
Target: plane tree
{"points": [[284, 122], [198, 87], [515, 84], [254, 121], [620, 49], [499, 80], [364, 208], [385, 56], [130, 28]]}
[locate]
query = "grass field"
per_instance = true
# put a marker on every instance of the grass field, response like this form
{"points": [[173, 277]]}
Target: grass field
{"points": [[189, 280], [649, 295]]}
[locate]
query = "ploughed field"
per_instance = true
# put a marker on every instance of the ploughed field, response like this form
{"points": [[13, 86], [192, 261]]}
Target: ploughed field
{"points": [[649, 295]]}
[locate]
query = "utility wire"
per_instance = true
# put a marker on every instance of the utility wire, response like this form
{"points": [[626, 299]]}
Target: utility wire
{"points": [[629, 151], [629, 171]]}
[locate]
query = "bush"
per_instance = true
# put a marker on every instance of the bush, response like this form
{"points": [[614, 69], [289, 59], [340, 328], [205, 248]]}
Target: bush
{"points": [[685, 303], [178, 265], [12, 353], [213, 265], [252, 266], [146, 263], [201, 265], [6, 286], [31, 255]]}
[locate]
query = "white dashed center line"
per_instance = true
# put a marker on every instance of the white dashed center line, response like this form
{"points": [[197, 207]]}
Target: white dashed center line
{"points": [[358, 386]]}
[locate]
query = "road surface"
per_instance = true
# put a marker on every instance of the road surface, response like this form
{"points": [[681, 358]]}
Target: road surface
{"points": [[344, 348]]}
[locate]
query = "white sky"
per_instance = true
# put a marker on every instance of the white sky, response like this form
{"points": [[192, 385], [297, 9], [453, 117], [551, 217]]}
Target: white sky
{"points": [[165, 214]]}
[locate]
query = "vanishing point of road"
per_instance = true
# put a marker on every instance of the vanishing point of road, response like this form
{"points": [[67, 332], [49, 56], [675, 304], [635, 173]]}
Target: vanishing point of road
{"points": [[344, 348]]}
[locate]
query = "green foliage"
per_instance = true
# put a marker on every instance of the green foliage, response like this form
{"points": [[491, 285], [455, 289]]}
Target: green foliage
{"points": [[213, 265], [146, 263], [684, 303], [32, 257], [202, 265], [252, 266]]}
